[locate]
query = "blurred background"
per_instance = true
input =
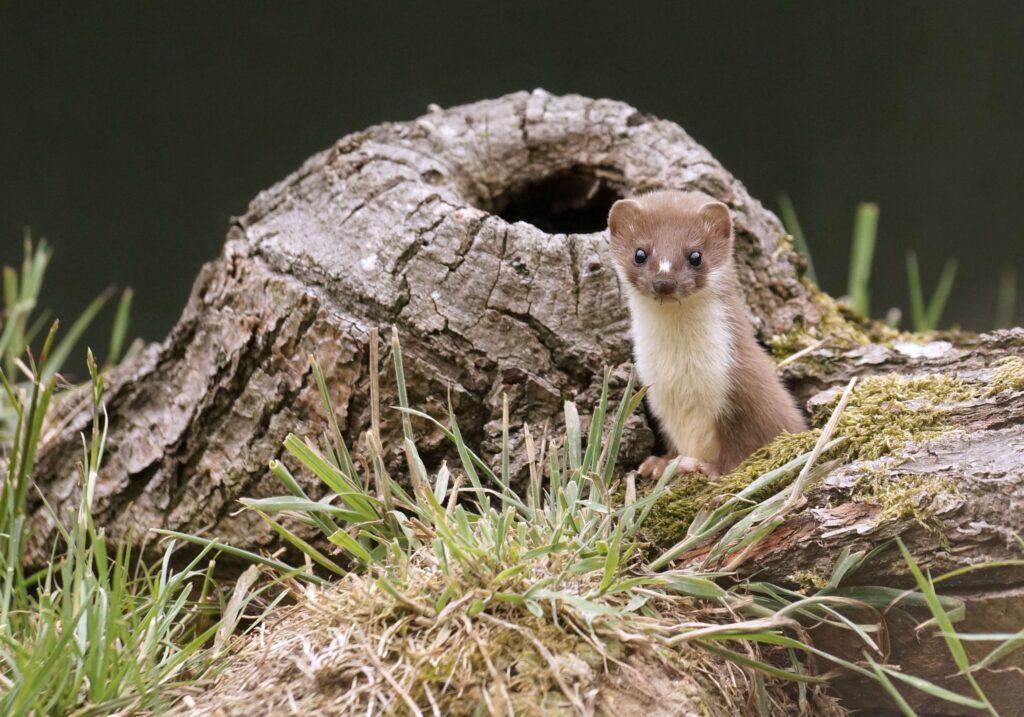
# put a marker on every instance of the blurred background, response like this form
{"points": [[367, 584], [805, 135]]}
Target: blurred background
{"points": [[131, 132]]}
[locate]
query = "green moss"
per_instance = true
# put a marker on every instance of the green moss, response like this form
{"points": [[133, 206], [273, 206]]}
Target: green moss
{"points": [[883, 415], [887, 412], [1009, 376], [843, 327], [906, 495]]}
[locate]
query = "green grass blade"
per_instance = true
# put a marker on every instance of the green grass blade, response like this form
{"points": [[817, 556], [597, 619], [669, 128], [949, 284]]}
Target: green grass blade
{"points": [[403, 395], [241, 553], [1011, 644], [792, 225], [935, 690], [759, 665], [590, 458], [119, 332], [627, 405], [307, 549], [865, 230], [890, 688], [352, 546], [941, 295], [573, 437]]}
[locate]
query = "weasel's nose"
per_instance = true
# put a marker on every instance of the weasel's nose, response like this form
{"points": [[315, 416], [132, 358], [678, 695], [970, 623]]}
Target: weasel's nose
{"points": [[664, 286]]}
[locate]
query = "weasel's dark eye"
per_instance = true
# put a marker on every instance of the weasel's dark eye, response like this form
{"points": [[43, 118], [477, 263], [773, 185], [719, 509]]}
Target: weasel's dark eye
{"points": [[695, 258], [640, 257]]}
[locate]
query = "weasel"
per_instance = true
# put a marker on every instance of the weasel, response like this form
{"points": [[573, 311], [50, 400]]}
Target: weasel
{"points": [[712, 388]]}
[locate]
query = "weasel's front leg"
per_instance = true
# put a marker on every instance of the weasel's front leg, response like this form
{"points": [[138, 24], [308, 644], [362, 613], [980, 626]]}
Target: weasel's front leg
{"points": [[655, 466]]}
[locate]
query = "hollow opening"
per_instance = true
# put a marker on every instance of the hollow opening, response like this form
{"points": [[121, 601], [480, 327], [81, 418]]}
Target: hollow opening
{"points": [[570, 201]]}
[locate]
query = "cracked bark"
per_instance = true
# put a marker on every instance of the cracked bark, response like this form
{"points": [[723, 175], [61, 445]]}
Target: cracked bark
{"points": [[479, 232]]}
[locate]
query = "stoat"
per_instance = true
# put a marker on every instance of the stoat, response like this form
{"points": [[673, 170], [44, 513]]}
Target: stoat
{"points": [[712, 388]]}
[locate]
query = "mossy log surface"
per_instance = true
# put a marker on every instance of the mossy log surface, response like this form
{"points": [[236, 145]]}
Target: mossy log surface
{"points": [[479, 231]]}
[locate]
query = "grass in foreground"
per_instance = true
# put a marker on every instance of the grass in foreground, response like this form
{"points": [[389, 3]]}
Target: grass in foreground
{"points": [[96, 630], [459, 594]]}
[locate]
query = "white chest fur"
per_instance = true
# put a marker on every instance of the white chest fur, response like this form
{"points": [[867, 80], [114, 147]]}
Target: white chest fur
{"points": [[683, 352]]}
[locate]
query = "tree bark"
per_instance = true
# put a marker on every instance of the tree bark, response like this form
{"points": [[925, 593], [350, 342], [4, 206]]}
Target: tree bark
{"points": [[968, 480], [479, 232]]}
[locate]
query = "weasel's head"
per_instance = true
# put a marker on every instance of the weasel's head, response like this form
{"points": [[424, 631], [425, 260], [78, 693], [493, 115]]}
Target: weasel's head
{"points": [[670, 245]]}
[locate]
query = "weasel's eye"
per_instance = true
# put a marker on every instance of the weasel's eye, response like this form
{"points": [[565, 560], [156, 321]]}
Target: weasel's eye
{"points": [[640, 257], [695, 258]]}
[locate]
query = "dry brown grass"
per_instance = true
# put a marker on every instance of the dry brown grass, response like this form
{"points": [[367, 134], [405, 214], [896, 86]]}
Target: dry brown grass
{"points": [[352, 649]]}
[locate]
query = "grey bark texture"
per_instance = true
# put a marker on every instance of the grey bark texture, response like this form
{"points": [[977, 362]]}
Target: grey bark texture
{"points": [[479, 231]]}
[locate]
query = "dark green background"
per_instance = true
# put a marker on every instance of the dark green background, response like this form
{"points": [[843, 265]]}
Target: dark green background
{"points": [[131, 132]]}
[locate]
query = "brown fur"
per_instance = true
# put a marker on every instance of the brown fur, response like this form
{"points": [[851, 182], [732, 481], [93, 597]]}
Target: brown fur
{"points": [[670, 225], [760, 406]]}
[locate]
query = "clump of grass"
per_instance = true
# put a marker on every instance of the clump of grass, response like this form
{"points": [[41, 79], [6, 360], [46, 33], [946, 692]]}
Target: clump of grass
{"points": [[95, 630], [926, 318]]}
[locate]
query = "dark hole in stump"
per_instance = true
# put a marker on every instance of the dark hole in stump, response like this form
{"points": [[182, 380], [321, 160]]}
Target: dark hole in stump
{"points": [[570, 201]]}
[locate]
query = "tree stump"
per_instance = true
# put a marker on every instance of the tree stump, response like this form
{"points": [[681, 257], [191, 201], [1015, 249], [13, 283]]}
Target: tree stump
{"points": [[479, 232]]}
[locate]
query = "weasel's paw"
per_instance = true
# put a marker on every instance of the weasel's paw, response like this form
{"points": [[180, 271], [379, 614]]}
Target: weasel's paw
{"points": [[654, 466], [685, 464]]}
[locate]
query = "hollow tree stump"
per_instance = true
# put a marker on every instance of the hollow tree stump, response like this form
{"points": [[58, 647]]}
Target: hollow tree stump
{"points": [[479, 232]]}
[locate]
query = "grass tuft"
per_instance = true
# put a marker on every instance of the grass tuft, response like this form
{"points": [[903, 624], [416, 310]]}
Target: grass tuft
{"points": [[926, 318], [96, 630]]}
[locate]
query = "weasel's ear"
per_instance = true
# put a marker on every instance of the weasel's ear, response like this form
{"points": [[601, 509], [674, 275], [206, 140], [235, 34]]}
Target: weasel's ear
{"points": [[717, 222], [624, 215]]}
